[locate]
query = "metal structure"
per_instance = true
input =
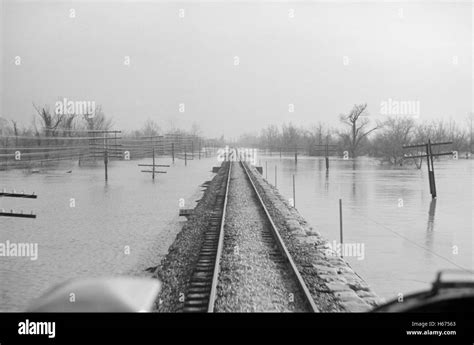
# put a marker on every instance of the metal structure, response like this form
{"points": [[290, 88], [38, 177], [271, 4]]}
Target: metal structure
{"points": [[201, 294]]}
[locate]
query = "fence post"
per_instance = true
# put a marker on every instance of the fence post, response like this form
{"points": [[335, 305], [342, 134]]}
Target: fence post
{"points": [[106, 157], [172, 151], [275, 176], [340, 225], [294, 192]]}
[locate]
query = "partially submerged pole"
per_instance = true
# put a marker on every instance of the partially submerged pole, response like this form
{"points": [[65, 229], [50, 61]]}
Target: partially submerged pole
{"points": [[106, 156], [275, 176], [340, 224], [172, 151], [294, 192], [431, 177], [153, 174], [327, 153]]}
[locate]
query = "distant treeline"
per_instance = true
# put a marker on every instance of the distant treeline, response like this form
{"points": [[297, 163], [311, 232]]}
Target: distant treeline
{"points": [[45, 137], [46, 123], [361, 136]]}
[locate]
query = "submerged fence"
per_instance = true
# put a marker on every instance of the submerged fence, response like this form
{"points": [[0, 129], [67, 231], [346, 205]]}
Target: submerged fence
{"points": [[94, 146]]}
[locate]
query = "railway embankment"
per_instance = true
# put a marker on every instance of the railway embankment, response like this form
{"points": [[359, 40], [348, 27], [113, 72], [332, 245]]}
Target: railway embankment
{"points": [[333, 284], [177, 267]]}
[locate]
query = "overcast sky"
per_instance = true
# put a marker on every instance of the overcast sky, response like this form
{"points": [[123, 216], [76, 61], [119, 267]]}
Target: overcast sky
{"points": [[288, 53]]}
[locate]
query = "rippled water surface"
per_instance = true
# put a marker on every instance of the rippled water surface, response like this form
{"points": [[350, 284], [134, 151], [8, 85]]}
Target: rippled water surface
{"points": [[407, 237], [91, 238]]}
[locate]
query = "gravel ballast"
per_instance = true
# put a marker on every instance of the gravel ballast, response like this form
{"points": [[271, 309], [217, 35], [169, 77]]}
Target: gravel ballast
{"points": [[177, 266], [253, 277], [335, 287], [248, 283]]}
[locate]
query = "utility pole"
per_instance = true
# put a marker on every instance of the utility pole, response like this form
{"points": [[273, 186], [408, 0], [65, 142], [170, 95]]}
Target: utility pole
{"points": [[172, 151], [326, 149], [106, 155], [153, 153], [429, 160], [470, 146]]}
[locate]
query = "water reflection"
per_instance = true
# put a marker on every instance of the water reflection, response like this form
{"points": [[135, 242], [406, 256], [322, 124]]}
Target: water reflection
{"points": [[431, 216], [430, 225]]}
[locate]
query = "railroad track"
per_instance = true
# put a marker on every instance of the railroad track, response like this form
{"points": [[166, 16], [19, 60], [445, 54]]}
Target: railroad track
{"points": [[202, 292]]}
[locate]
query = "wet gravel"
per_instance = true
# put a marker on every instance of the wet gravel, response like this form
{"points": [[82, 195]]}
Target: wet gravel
{"points": [[177, 266], [253, 277], [304, 255]]}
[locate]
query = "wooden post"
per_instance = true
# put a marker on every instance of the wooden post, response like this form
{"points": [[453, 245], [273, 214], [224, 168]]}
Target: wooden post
{"points": [[172, 151], [429, 162], [6, 157], [470, 143], [106, 157], [275, 176], [192, 149], [433, 193], [280, 152], [340, 225], [294, 192], [153, 174], [327, 153], [185, 156], [296, 156]]}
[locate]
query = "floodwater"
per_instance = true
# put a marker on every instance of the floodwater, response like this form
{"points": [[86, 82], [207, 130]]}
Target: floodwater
{"points": [[389, 213], [127, 224], [120, 227]]}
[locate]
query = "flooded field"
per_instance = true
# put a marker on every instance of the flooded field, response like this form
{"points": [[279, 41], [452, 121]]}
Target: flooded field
{"points": [[388, 212], [120, 227], [86, 227]]}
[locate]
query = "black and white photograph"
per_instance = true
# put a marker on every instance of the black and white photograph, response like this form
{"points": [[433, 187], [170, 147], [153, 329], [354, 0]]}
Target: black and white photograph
{"points": [[163, 163]]}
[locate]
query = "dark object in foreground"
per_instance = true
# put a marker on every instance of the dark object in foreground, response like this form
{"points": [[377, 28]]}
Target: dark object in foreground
{"points": [[108, 294], [445, 296]]}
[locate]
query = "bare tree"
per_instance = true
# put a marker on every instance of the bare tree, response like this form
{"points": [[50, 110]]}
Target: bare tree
{"points": [[358, 127], [290, 136], [151, 128], [98, 121], [270, 138], [395, 132], [50, 122]]}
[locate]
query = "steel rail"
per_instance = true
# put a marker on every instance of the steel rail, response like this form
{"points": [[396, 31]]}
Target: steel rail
{"points": [[202, 288], [215, 277], [282, 246]]}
